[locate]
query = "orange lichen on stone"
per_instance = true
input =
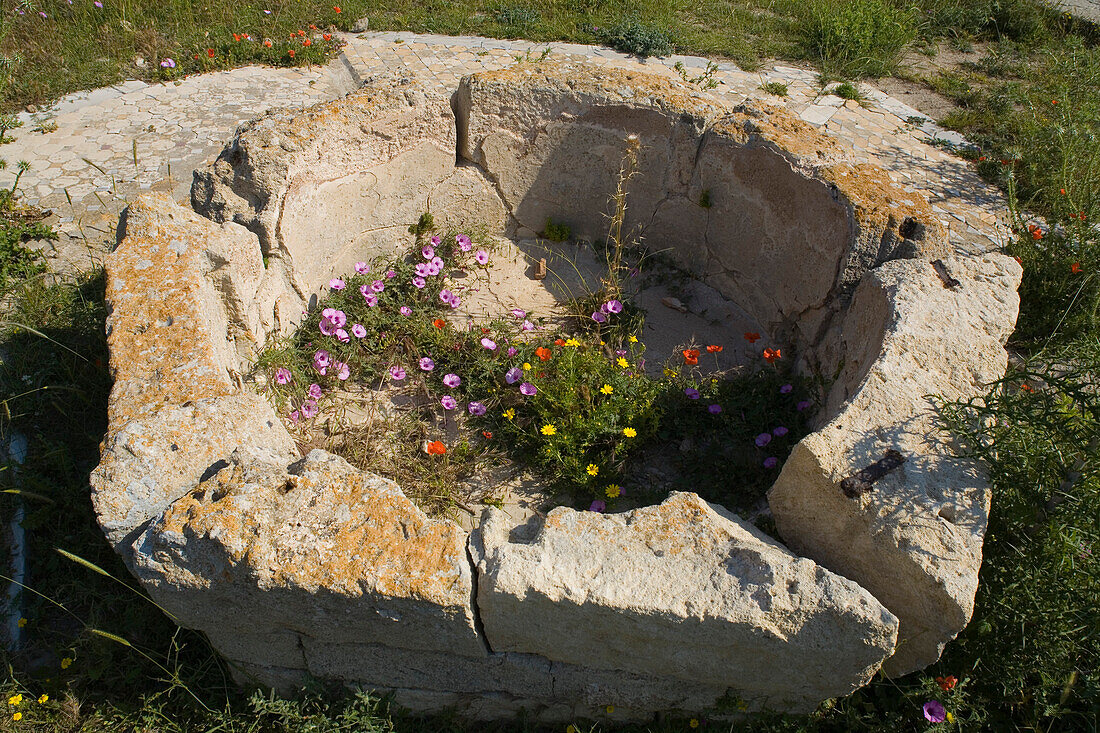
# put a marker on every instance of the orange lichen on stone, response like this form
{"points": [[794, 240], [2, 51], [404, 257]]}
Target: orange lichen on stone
{"points": [[880, 203]]}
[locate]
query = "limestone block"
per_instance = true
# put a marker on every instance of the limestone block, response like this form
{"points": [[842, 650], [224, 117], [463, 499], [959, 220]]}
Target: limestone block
{"points": [[682, 590], [316, 548], [915, 541]]}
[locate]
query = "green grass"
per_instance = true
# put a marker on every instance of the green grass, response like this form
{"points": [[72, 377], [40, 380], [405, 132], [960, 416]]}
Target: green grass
{"points": [[1029, 659]]}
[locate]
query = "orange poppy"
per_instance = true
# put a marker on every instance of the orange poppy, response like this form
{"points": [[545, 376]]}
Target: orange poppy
{"points": [[947, 683], [1075, 268], [435, 448], [1062, 191], [267, 43], [326, 36], [312, 27], [487, 435], [439, 323], [210, 52], [691, 356], [336, 8], [291, 52], [1027, 388], [543, 353], [236, 36], [752, 336], [714, 349], [301, 33], [307, 42], [771, 355], [559, 342]]}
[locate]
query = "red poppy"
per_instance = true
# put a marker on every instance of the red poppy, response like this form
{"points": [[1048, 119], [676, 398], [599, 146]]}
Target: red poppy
{"points": [[435, 448], [301, 33], [312, 27], [236, 37], [559, 342], [1062, 191], [1026, 388], [439, 323], [487, 435], [196, 57], [1037, 234], [713, 349], [981, 157], [326, 36], [691, 356], [543, 353], [307, 42], [947, 683], [1075, 268], [267, 43], [752, 336], [1081, 215], [336, 8], [485, 330], [210, 52], [771, 355], [291, 52], [1054, 101]]}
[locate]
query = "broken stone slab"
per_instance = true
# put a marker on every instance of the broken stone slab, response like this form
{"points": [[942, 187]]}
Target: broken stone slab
{"points": [[683, 590], [317, 548], [915, 540]]}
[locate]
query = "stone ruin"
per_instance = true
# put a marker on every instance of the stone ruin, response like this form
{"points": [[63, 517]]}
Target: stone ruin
{"points": [[301, 567]]}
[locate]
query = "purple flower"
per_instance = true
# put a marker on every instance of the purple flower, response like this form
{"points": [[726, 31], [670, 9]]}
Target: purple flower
{"points": [[342, 336], [294, 416], [337, 317], [314, 391], [321, 359], [488, 343], [482, 257], [309, 409], [513, 375], [714, 409], [436, 263], [390, 274], [455, 301], [418, 282], [359, 330], [598, 505], [614, 306], [803, 405], [427, 251], [763, 439], [98, 4], [362, 268], [476, 408], [463, 242], [693, 394], [934, 712], [786, 389], [527, 326], [337, 284], [452, 380], [405, 310], [342, 370], [448, 402], [423, 269], [528, 389], [431, 269], [511, 351], [599, 317], [165, 64], [519, 313], [378, 286], [427, 364], [620, 352], [282, 375], [771, 462], [397, 373], [436, 240], [372, 300], [780, 431], [446, 296]]}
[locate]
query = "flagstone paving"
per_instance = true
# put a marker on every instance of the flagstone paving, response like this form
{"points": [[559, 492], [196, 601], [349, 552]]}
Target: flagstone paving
{"points": [[113, 143]]}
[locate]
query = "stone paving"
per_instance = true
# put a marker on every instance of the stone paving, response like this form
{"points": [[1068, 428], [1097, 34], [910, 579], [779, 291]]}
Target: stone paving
{"points": [[112, 143]]}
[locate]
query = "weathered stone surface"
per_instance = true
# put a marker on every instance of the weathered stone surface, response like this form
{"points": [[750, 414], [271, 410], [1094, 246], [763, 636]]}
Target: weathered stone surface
{"points": [[781, 197], [915, 541], [318, 549], [679, 590]]}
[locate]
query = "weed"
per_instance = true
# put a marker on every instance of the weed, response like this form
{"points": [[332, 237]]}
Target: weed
{"points": [[517, 16], [557, 231], [705, 200], [637, 37], [847, 90], [777, 88], [704, 80], [857, 37]]}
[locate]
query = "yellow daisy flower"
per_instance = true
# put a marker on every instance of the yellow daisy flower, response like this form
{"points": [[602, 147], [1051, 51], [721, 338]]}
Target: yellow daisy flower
{"points": [[613, 491], [42, 699], [66, 662], [526, 367], [15, 700], [509, 413], [592, 469], [630, 432], [633, 339], [22, 622], [548, 429], [694, 723], [607, 389], [17, 716], [572, 342], [621, 361]]}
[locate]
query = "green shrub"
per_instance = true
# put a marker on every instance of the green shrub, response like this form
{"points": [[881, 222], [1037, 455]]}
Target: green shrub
{"points": [[557, 231], [856, 37], [637, 37], [777, 88], [847, 90]]}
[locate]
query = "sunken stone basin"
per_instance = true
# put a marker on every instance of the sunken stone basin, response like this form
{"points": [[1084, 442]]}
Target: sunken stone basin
{"points": [[302, 566]]}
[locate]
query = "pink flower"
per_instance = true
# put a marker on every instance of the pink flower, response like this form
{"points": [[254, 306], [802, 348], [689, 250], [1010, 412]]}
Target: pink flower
{"points": [[511, 351], [448, 402], [488, 343], [714, 409], [934, 711], [282, 375], [337, 317], [527, 326], [476, 408], [463, 242], [786, 389], [390, 274], [98, 4], [780, 431], [519, 313], [294, 416], [763, 439], [423, 269], [456, 301], [528, 389], [359, 331], [427, 251], [598, 505], [693, 394], [771, 462], [314, 391], [165, 64], [599, 317], [427, 364], [337, 284], [378, 286], [397, 373], [342, 336], [482, 257], [372, 300], [452, 380], [446, 296], [613, 306], [342, 370], [362, 268], [309, 409], [436, 240], [513, 375], [320, 358], [419, 282], [405, 310]]}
